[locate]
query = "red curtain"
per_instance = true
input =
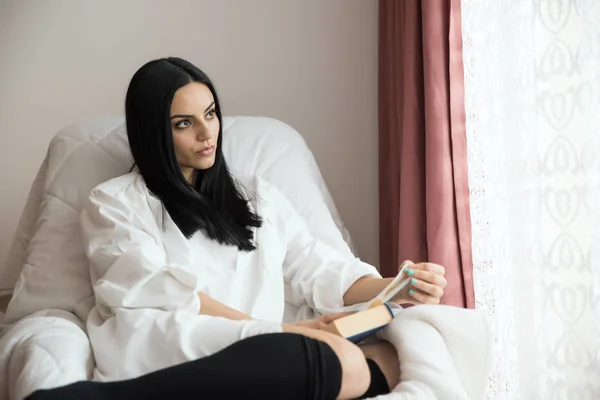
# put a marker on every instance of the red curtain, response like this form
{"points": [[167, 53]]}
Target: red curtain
{"points": [[423, 180]]}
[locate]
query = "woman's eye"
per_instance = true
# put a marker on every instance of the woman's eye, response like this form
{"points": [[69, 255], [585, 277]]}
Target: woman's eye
{"points": [[183, 124], [211, 113]]}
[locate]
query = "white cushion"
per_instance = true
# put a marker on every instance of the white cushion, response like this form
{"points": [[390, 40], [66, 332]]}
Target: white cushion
{"points": [[46, 264]]}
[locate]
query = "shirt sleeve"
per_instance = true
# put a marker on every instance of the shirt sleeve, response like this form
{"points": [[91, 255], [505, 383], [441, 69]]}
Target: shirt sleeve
{"points": [[128, 262], [315, 272], [139, 291]]}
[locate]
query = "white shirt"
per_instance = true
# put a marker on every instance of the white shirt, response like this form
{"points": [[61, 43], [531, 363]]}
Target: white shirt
{"points": [[146, 276]]}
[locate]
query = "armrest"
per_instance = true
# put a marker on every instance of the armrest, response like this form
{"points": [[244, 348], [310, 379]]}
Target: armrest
{"points": [[47, 349]]}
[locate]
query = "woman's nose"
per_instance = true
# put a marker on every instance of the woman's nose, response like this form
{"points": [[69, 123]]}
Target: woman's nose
{"points": [[203, 133]]}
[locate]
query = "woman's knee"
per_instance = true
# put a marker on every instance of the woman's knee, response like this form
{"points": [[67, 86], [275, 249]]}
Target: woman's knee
{"points": [[355, 370]]}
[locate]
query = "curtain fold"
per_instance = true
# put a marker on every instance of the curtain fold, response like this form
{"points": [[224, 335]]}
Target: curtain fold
{"points": [[423, 180]]}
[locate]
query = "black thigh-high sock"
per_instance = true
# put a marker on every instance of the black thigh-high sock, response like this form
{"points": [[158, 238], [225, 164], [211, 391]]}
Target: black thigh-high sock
{"points": [[378, 384], [271, 366]]}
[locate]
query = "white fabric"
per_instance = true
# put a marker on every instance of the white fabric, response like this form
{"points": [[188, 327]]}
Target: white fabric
{"points": [[532, 90], [47, 349], [146, 277], [444, 353], [47, 261]]}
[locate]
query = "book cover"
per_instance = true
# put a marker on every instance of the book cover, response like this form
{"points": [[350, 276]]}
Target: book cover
{"points": [[362, 324]]}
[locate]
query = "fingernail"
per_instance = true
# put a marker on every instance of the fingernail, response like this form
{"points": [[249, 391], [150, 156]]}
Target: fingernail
{"points": [[411, 292], [410, 272], [413, 281]]}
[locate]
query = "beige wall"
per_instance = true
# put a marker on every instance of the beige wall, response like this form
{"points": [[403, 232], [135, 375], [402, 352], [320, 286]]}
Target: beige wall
{"points": [[310, 63]]}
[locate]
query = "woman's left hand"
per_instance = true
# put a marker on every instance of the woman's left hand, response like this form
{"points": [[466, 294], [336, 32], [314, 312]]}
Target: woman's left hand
{"points": [[426, 286]]}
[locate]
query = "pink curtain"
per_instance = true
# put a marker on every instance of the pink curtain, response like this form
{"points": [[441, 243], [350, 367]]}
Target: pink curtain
{"points": [[423, 181]]}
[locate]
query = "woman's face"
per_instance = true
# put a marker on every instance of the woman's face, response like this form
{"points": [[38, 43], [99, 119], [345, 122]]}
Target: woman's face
{"points": [[195, 128]]}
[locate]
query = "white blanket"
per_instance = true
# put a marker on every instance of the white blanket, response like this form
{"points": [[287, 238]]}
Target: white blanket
{"points": [[444, 353], [45, 350]]}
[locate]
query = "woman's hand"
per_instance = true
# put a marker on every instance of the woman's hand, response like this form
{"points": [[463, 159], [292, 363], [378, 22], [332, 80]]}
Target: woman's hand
{"points": [[320, 322], [426, 286]]}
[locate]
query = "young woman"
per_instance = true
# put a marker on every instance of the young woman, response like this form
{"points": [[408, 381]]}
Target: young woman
{"points": [[191, 267]]}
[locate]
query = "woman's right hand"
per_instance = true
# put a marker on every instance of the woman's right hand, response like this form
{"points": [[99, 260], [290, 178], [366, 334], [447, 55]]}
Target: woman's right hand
{"points": [[319, 323]]}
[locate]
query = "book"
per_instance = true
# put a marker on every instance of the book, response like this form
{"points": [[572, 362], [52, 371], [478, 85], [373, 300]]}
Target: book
{"points": [[362, 324], [373, 315]]}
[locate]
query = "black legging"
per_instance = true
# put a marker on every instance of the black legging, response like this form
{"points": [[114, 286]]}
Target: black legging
{"points": [[272, 366]]}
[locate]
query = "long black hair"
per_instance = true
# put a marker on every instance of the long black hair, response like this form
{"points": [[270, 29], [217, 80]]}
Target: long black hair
{"points": [[213, 203]]}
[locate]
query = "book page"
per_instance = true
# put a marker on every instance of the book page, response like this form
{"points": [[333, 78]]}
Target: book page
{"points": [[397, 284]]}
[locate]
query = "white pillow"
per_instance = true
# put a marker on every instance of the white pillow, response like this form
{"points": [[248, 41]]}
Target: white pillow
{"points": [[46, 264]]}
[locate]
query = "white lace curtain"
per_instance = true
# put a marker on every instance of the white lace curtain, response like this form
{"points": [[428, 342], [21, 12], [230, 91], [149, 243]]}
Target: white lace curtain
{"points": [[532, 86]]}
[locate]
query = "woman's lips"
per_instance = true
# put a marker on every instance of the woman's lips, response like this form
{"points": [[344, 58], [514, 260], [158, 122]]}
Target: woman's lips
{"points": [[207, 151]]}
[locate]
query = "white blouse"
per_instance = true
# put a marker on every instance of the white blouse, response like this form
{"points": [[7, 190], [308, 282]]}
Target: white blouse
{"points": [[146, 276]]}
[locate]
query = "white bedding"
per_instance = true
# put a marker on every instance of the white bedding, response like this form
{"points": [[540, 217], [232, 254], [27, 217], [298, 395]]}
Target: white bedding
{"points": [[47, 349], [444, 353]]}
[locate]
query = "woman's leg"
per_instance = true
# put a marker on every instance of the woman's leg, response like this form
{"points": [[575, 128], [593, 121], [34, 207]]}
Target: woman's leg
{"points": [[368, 370], [272, 366], [385, 356], [355, 370], [306, 364]]}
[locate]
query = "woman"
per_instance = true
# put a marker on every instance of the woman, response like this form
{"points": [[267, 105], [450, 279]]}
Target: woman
{"points": [[188, 263]]}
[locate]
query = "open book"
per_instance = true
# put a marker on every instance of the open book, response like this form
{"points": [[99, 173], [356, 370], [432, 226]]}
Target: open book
{"points": [[391, 290], [373, 315]]}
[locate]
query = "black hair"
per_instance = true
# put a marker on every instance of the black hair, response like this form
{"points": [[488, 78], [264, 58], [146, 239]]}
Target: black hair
{"points": [[214, 202]]}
